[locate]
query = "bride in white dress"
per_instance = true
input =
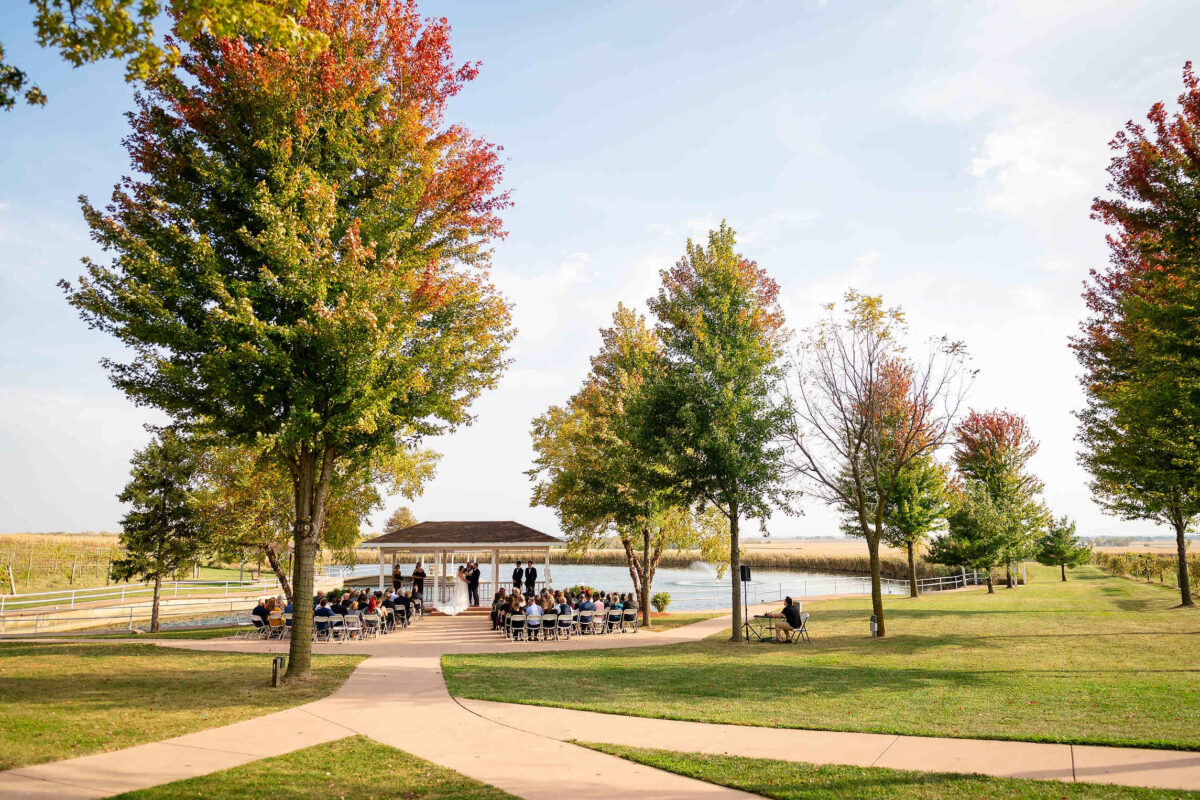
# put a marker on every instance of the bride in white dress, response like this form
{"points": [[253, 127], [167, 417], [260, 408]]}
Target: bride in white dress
{"points": [[460, 599]]}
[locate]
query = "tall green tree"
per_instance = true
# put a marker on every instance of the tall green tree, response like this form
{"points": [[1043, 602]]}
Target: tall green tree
{"points": [[918, 506], [1061, 548], [602, 477], [161, 535], [864, 412], [87, 31], [1140, 427], [975, 532], [302, 260], [714, 410], [994, 448]]}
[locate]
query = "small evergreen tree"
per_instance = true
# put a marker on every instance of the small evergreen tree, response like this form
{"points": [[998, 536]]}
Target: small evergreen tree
{"points": [[1061, 548], [162, 534]]}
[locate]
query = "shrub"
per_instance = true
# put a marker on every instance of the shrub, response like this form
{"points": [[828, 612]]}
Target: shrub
{"points": [[660, 601]]}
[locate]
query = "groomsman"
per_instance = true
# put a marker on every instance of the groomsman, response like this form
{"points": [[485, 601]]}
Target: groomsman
{"points": [[473, 583], [518, 578], [530, 578]]}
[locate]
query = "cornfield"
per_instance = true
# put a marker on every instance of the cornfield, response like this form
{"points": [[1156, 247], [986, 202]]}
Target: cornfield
{"points": [[1150, 567], [36, 561]]}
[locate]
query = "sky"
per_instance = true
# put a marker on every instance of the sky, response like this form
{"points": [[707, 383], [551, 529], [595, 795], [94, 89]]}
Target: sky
{"points": [[941, 154]]}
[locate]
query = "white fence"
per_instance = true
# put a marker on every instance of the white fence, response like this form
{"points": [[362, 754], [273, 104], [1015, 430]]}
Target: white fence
{"points": [[129, 591]]}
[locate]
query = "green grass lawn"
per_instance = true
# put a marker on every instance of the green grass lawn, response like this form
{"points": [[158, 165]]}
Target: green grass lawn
{"points": [[1097, 660], [679, 620], [66, 700], [190, 633], [787, 780], [355, 767]]}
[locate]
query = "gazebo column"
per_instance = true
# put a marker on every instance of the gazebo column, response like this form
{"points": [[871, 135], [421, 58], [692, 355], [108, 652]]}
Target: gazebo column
{"points": [[380, 549], [495, 571], [546, 579], [437, 571]]}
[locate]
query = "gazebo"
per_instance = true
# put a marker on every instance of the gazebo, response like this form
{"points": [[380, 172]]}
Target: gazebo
{"points": [[443, 539]]}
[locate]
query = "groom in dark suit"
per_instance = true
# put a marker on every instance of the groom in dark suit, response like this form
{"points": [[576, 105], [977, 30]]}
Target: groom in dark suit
{"points": [[530, 578], [473, 584]]}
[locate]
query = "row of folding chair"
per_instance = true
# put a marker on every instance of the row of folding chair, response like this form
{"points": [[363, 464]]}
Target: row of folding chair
{"points": [[553, 625]]}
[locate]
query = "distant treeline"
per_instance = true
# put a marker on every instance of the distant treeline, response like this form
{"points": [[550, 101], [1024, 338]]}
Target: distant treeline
{"points": [[1126, 541]]}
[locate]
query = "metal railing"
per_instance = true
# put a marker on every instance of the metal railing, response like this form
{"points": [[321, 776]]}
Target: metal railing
{"points": [[757, 592], [126, 591], [113, 617]]}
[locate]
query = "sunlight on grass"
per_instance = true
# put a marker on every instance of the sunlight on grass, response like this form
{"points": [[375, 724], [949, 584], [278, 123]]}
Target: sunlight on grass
{"points": [[1096, 660]]}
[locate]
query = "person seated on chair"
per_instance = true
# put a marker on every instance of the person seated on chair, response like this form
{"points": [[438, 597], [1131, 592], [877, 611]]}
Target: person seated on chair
{"points": [[598, 605], [788, 620], [322, 610], [260, 611], [586, 603], [288, 608], [497, 602], [533, 614], [563, 606], [338, 607]]}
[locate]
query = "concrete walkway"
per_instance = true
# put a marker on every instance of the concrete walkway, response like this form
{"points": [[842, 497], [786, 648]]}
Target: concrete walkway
{"points": [[398, 697]]}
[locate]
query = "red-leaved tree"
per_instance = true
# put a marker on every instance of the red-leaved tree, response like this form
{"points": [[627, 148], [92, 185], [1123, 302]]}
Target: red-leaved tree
{"points": [[301, 263]]}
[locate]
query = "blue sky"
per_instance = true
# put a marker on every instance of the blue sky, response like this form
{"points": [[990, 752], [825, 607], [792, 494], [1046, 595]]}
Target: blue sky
{"points": [[942, 154]]}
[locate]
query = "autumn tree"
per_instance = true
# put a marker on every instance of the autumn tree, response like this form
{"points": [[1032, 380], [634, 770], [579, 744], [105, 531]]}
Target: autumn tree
{"points": [[400, 519], [245, 501], [864, 413], [994, 448], [302, 260], [1140, 427], [712, 411], [87, 31], [603, 478], [161, 535], [1060, 547], [975, 531]]}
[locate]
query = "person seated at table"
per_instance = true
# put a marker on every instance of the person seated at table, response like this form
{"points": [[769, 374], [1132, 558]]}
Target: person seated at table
{"points": [[321, 615], [788, 620], [260, 612]]}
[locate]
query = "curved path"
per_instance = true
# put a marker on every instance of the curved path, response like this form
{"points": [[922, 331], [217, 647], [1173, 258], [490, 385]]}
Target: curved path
{"points": [[398, 697]]}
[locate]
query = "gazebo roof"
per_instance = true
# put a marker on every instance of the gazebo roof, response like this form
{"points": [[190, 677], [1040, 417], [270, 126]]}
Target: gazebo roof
{"points": [[482, 535]]}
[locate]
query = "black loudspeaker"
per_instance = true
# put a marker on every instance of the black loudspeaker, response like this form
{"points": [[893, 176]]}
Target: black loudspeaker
{"points": [[745, 572]]}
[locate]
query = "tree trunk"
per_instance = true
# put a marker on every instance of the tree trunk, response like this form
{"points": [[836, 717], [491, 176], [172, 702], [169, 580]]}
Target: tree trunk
{"points": [[1185, 588], [1008, 576], [912, 570], [991, 588], [646, 577], [1063, 567], [154, 606], [876, 584], [311, 493], [280, 573], [735, 568]]}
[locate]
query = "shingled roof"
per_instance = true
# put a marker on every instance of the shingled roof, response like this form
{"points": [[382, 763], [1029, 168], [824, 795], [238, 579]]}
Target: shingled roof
{"points": [[503, 532]]}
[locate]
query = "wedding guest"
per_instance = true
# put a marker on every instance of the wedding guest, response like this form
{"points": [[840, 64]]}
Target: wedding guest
{"points": [[322, 612], [261, 612], [418, 579], [318, 598], [533, 614]]}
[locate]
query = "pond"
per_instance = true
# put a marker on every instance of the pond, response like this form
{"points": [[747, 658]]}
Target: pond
{"points": [[694, 588]]}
